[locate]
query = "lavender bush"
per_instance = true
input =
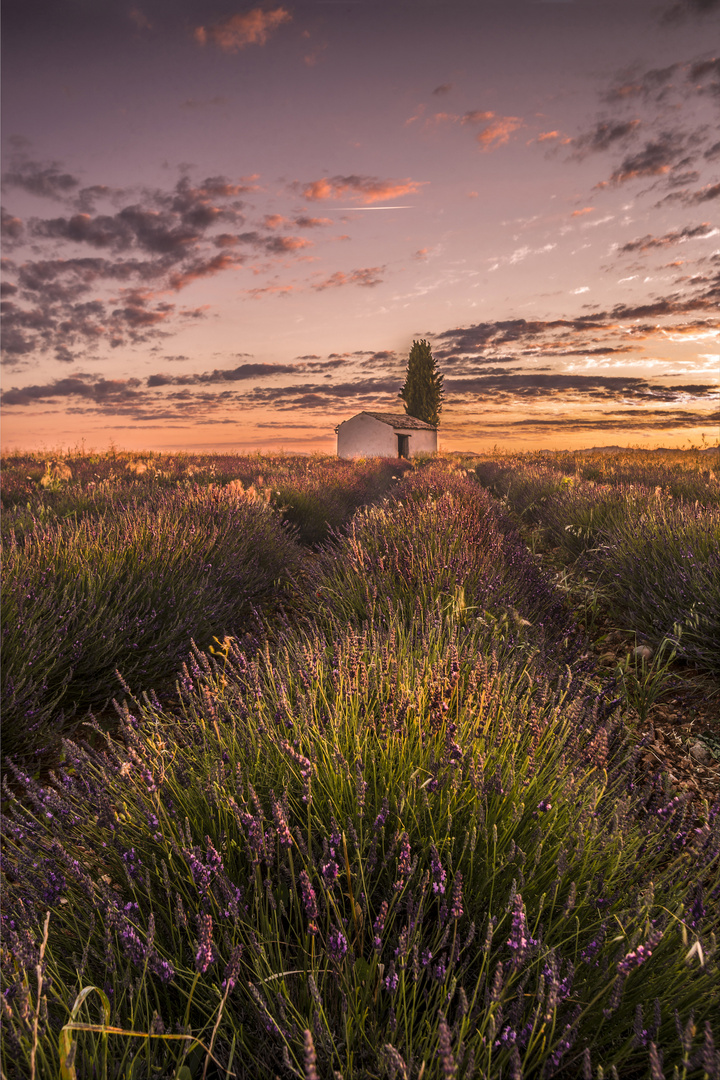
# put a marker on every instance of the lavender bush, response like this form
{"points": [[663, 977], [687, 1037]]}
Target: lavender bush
{"points": [[127, 589], [440, 544], [652, 557]]}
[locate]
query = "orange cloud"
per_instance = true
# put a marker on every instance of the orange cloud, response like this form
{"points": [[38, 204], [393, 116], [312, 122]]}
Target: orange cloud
{"points": [[274, 221], [585, 210], [290, 243], [281, 290], [133, 310], [368, 277], [498, 132], [476, 117], [237, 31], [213, 266], [369, 189], [545, 135], [304, 222]]}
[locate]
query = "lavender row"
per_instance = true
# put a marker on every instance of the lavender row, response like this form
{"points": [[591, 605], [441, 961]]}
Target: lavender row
{"points": [[654, 559], [310, 493], [129, 589]]}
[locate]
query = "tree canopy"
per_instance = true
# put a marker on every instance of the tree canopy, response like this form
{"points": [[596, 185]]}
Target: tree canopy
{"points": [[423, 389]]}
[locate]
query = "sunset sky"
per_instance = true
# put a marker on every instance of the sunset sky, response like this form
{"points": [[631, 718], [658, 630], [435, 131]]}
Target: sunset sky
{"points": [[224, 224]]}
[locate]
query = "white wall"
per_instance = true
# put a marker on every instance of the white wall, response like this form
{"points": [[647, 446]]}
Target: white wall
{"points": [[364, 436], [422, 442]]}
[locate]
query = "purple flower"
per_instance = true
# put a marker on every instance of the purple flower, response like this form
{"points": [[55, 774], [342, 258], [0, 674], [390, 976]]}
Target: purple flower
{"points": [[335, 837], [391, 979], [310, 901], [656, 1070], [205, 954], [310, 1070], [336, 945], [403, 870], [438, 873], [283, 829], [379, 925], [233, 968], [520, 940], [449, 1068], [638, 956], [133, 862], [330, 872], [380, 820], [456, 907]]}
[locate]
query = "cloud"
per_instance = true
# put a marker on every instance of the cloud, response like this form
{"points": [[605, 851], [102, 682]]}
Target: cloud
{"points": [[11, 227], [693, 198], [277, 245], [677, 236], [79, 386], [585, 210], [496, 130], [601, 137], [367, 277], [238, 374], [274, 221], [87, 197], [444, 88], [651, 85], [304, 222], [46, 181], [656, 158], [201, 269], [368, 188], [251, 28], [687, 9], [519, 255]]}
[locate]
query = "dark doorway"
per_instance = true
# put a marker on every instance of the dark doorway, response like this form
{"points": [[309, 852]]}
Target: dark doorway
{"points": [[403, 446]]}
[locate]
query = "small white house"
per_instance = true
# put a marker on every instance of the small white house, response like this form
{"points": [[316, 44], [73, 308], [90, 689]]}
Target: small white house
{"points": [[379, 434]]}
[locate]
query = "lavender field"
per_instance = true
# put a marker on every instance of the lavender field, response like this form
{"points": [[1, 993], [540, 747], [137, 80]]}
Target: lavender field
{"points": [[326, 769]]}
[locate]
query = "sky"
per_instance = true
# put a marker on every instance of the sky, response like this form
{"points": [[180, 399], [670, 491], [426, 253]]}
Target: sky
{"points": [[224, 223]]}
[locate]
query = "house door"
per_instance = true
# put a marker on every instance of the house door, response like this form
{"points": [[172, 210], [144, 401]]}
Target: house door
{"points": [[403, 446]]}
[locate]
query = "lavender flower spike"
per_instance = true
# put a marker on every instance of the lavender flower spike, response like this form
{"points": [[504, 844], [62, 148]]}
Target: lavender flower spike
{"points": [[205, 953], [449, 1068], [310, 1069], [638, 956], [520, 940]]}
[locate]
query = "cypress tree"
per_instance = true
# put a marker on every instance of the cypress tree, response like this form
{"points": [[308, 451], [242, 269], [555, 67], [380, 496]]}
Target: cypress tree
{"points": [[423, 389]]}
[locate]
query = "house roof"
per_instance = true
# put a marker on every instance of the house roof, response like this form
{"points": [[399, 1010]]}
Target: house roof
{"points": [[399, 421]]}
